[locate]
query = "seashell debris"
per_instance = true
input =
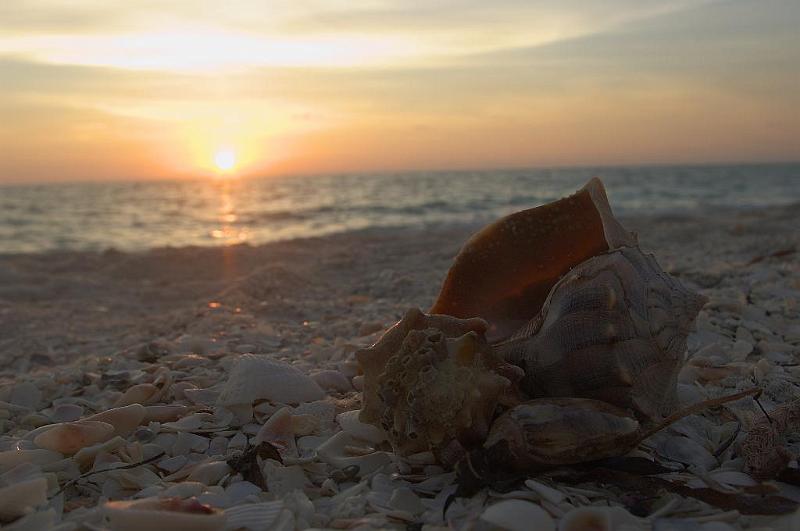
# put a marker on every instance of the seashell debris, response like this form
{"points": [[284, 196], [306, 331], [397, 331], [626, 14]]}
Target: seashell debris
{"points": [[555, 342]]}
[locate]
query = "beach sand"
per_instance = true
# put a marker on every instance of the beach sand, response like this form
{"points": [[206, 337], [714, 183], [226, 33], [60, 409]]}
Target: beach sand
{"points": [[98, 323]]}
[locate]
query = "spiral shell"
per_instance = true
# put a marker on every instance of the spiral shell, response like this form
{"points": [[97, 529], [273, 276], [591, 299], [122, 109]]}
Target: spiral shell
{"points": [[613, 329], [431, 380], [548, 432]]}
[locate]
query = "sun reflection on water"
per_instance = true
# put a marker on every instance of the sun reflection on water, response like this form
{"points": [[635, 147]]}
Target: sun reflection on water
{"points": [[227, 232]]}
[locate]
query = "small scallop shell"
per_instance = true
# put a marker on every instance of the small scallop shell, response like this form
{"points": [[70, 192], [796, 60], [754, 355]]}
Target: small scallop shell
{"points": [[254, 515], [68, 438], [163, 514], [261, 378]]}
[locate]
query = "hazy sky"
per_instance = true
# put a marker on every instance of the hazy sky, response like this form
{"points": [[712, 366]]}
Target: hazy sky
{"points": [[103, 89]]}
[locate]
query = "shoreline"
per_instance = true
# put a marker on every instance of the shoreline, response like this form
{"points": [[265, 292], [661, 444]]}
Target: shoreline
{"points": [[400, 266]]}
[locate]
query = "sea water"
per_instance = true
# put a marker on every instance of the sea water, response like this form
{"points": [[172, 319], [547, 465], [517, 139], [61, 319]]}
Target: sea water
{"points": [[141, 215]]}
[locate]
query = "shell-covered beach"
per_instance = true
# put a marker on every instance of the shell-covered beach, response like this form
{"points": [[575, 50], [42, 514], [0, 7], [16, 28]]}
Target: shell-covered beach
{"points": [[167, 370]]}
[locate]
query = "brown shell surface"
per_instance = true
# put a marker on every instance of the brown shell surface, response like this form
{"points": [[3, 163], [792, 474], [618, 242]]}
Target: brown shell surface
{"points": [[505, 271], [549, 432], [613, 329], [431, 380]]}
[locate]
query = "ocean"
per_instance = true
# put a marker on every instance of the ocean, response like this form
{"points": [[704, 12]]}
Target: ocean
{"points": [[139, 215]]}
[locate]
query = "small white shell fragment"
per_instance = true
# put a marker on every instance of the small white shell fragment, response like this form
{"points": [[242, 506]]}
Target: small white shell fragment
{"points": [[253, 517], [404, 499], [278, 431], [138, 394], [25, 394], [261, 378], [68, 438], [360, 430], [331, 380], [600, 519], [241, 491], [282, 480], [162, 514], [547, 493], [740, 350], [11, 458], [185, 489], [685, 450], [173, 464], [66, 413], [35, 522], [186, 442], [168, 413], [518, 515], [333, 451], [18, 499], [125, 419], [209, 473], [305, 424]]}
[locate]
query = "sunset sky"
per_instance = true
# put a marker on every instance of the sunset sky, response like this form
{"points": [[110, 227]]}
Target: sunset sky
{"points": [[120, 89]]}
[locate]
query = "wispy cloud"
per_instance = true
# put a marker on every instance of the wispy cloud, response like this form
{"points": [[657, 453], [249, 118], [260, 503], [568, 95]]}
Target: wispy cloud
{"points": [[323, 86]]}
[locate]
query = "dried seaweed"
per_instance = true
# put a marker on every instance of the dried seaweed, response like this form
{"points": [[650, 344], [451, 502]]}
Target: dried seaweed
{"points": [[764, 449], [248, 466], [648, 486]]}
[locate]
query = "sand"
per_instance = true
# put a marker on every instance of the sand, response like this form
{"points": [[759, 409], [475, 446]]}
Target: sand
{"points": [[314, 301]]}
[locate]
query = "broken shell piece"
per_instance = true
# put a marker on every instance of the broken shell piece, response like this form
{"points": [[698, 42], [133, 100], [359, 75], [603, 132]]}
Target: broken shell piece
{"points": [[600, 519], [279, 431], [360, 430], [433, 388], [124, 419], [613, 329], [254, 515], [11, 458], [66, 413], [19, 499], [518, 515], [139, 394], [68, 438], [331, 380], [168, 413], [261, 378], [167, 514], [550, 432], [504, 272], [334, 451]]}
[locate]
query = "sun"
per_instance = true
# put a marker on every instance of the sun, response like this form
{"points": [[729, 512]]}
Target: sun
{"points": [[225, 159]]}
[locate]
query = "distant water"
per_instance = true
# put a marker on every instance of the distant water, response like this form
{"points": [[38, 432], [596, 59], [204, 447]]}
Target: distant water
{"points": [[133, 216]]}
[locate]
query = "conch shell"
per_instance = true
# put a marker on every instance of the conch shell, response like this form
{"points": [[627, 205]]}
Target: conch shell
{"points": [[563, 293], [505, 271], [548, 432], [613, 329], [433, 379]]}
